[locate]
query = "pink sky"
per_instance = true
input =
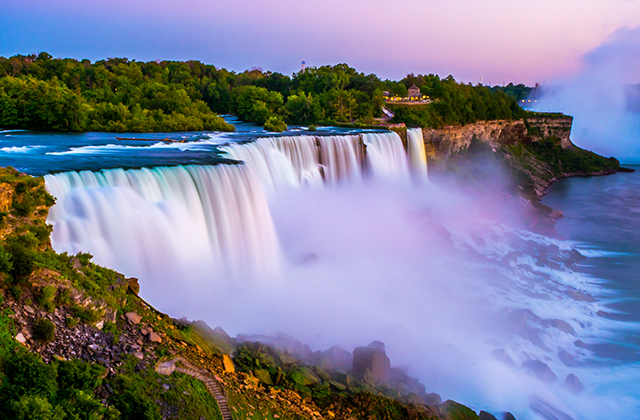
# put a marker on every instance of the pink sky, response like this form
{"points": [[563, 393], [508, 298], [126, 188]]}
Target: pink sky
{"points": [[499, 40]]}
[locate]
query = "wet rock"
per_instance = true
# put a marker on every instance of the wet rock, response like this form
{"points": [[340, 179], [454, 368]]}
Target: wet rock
{"points": [[547, 411], [483, 415], [502, 356], [77, 265], [566, 358], [371, 361], [579, 296], [336, 358], [573, 384], [541, 370], [432, 399], [580, 344], [563, 326], [133, 317]]}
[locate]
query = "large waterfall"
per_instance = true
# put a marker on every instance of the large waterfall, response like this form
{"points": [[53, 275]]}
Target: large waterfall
{"points": [[155, 222], [148, 222]]}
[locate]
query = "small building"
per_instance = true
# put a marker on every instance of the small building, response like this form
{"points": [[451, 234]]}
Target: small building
{"points": [[414, 91]]}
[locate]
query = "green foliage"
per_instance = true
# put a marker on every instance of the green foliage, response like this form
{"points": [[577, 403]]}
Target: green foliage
{"points": [[41, 93], [26, 374], [44, 330], [45, 297], [121, 95], [30, 193], [86, 315], [138, 395], [33, 389], [275, 124], [71, 322], [573, 160]]}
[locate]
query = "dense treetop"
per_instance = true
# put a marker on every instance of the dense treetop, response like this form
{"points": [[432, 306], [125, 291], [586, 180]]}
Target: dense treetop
{"points": [[117, 94]]}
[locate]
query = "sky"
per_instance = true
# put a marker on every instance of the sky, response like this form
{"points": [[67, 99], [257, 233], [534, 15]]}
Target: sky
{"points": [[488, 41]]}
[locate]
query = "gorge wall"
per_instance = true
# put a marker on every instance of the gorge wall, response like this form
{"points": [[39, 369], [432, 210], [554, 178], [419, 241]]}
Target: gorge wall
{"points": [[442, 142]]}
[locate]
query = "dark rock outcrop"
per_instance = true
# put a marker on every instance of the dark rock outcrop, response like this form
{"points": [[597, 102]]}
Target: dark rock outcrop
{"points": [[541, 370], [371, 363]]}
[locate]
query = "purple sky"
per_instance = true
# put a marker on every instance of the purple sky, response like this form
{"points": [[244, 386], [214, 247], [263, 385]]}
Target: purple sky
{"points": [[499, 40]]}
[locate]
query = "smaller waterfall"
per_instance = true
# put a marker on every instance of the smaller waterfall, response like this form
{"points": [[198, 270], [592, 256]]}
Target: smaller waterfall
{"points": [[417, 154], [386, 156]]}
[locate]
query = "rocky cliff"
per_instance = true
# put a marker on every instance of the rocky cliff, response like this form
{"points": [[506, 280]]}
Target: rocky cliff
{"points": [[442, 142], [526, 155]]}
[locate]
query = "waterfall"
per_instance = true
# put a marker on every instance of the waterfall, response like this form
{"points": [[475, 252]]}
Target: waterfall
{"points": [[319, 160], [417, 154], [156, 222], [386, 156]]}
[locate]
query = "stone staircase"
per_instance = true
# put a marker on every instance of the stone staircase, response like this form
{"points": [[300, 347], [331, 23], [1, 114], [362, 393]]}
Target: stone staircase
{"points": [[204, 376]]}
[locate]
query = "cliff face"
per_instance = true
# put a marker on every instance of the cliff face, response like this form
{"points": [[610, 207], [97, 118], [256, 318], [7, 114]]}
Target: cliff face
{"points": [[534, 152], [442, 142]]}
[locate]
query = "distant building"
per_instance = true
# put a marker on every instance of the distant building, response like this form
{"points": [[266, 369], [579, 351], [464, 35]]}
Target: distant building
{"points": [[414, 91], [303, 65]]}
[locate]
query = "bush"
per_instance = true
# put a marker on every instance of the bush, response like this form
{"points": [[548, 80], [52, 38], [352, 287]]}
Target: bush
{"points": [[44, 330], [86, 315], [71, 322], [45, 298], [275, 124]]}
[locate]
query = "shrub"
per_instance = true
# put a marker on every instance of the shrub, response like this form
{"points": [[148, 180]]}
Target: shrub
{"points": [[275, 124], [44, 330], [86, 315], [45, 298], [71, 322]]}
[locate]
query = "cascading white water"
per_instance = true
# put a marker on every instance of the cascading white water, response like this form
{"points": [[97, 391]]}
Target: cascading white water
{"points": [[318, 160], [280, 161], [155, 222], [417, 154], [386, 156]]}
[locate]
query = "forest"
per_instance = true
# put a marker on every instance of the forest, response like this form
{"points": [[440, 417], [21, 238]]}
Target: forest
{"points": [[39, 92]]}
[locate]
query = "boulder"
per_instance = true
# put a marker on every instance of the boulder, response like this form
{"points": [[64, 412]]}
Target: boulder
{"points": [[483, 415], [133, 317], [134, 285], [263, 376], [563, 326], [154, 338], [508, 416], [502, 356], [573, 384], [541, 370], [336, 358], [372, 362], [20, 338], [227, 363]]}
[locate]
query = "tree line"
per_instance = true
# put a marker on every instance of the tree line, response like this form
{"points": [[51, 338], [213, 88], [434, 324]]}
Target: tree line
{"points": [[43, 93]]}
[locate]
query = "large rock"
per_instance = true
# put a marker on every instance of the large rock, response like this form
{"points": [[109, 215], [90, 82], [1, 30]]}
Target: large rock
{"points": [[541, 370], [371, 362], [573, 384], [134, 285], [483, 415], [133, 317], [336, 358]]}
